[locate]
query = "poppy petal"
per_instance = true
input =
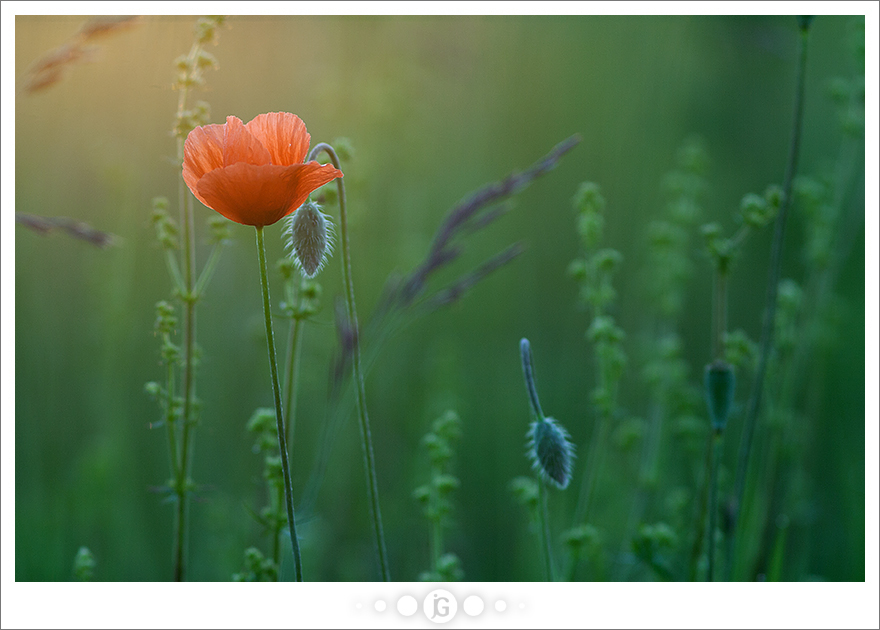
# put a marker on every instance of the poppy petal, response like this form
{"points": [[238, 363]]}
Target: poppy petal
{"points": [[239, 145], [202, 153], [249, 194], [311, 176], [284, 136]]}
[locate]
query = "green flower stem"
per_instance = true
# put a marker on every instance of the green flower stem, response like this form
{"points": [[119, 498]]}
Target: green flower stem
{"points": [[773, 282], [174, 272], [713, 501], [291, 382], [720, 314], [360, 394], [169, 413], [526, 355], [189, 259], [279, 414], [543, 525], [597, 448], [277, 499], [182, 482], [700, 529], [207, 272], [291, 363]]}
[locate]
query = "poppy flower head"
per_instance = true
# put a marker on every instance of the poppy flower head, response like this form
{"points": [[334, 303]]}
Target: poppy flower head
{"points": [[253, 173]]}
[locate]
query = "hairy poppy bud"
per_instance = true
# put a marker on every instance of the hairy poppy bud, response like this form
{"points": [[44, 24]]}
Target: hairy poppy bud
{"points": [[551, 452], [310, 238], [548, 448]]}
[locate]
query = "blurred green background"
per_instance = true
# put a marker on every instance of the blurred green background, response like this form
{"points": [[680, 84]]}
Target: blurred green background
{"points": [[434, 107]]}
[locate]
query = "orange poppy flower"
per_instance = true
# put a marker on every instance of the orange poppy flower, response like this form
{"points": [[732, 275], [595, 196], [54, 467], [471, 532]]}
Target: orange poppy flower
{"points": [[253, 174]]}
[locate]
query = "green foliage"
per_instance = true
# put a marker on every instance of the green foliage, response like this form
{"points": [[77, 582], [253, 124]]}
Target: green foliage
{"points": [[257, 568], [84, 565], [652, 544], [668, 261], [525, 491], [435, 497]]}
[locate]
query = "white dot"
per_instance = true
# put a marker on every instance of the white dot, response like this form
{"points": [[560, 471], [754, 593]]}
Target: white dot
{"points": [[380, 605], [359, 605], [473, 605], [522, 605], [501, 605], [407, 605]]}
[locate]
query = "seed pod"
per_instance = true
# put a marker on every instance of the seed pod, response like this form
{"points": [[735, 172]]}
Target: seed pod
{"points": [[719, 383]]}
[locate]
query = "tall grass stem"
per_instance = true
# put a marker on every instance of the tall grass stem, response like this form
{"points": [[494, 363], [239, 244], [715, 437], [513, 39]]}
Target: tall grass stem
{"points": [[189, 336], [544, 524], [775, 266], [713, 502], [360, 394], [292, 378]]}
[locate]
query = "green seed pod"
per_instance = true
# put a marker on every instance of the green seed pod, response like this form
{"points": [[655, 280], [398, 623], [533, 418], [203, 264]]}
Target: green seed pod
{"points": [[719, 384]]}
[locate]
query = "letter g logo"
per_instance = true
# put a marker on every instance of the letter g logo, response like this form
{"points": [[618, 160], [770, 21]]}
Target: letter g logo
{"points": [[440, 606]]}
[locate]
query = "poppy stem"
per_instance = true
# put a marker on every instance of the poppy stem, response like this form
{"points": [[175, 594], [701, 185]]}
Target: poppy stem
{"points": [[526, 354], [713, 501], [775, 266], [292, 377], [279, 415], [356, 366], [544, 531], [183, 484]]}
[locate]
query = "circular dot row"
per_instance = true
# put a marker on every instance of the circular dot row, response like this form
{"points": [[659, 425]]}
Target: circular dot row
{"points": [[408, 606]]}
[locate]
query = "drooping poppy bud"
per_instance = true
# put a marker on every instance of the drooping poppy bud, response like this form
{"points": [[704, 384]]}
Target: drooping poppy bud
{"points": [[309, 236], [551, 453]]}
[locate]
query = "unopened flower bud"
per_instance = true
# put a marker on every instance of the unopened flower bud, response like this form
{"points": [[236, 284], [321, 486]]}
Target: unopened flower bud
{"points": [[551, 452], [719, 383], [310, 238]]}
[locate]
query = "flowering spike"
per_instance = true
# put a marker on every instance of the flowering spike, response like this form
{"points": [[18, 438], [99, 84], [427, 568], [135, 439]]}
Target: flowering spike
{"points": [[310, 238]]}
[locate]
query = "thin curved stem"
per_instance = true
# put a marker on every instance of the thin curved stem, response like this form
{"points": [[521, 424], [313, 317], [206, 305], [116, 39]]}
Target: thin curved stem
{"points": [[292, 378], [279, 415], [174, 272], [773, 280], [544, 531], [591, 472], [360, 394], [189, 343], [169, 413], [525, 352], [207, 271], [700, 529], [713, 502], [182, 483], [720, 315]]}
